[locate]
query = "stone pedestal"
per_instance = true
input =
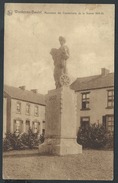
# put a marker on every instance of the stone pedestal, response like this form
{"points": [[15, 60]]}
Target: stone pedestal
{"points": [[60, 123]]}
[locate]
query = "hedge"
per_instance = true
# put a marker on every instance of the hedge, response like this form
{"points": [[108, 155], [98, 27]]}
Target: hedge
{"points": [[95, 137], [22, 140]]}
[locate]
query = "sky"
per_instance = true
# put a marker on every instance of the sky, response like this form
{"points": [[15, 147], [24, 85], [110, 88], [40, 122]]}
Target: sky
{"points": [[29, 38]]}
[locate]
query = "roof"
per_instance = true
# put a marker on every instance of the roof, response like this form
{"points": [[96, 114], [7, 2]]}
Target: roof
{"points": [[24, 95], [93, 82]]}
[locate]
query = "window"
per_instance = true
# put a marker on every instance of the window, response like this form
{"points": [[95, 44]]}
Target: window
{"points": [[36, 110], [18, 107], [27, 125], [108, 122], [43, 131], [18, 126], [85, 121], [110, 102], [27, 109], [36, 127], [85, 101]]}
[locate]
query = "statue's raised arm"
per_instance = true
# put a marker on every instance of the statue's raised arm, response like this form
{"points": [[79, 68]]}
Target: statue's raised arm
{"points": [[60, 57]]}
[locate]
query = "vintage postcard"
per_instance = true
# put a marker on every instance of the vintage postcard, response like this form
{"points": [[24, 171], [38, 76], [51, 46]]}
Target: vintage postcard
{"points": [[58, 110]]}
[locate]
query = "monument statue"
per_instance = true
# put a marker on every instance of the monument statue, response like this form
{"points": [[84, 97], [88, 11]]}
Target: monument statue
{"points": [[61, 109], [60, 57]]}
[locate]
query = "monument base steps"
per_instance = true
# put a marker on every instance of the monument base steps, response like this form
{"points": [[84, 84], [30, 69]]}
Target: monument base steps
{"points": [[66, 146]]}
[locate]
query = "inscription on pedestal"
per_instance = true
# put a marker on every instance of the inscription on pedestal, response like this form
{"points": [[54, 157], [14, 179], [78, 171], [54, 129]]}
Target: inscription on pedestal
{"points": [[52, 100], [52, 114]]}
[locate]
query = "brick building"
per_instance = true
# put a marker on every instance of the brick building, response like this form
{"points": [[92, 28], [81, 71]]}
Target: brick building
{"points": [[95, 99], [23, 109]]}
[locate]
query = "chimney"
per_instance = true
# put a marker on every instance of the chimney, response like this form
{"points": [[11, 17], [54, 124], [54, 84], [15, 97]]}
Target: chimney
{"points": [[22, 87], [104, 71], [34, 90]]}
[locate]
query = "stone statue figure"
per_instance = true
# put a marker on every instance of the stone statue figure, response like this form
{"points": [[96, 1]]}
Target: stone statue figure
{"points": [[60, 57]]}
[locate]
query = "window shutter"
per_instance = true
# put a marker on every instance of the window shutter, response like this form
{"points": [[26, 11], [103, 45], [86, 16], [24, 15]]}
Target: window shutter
{"points": [[104, 121], [21, 126], [27, 126], [33, 126], [14, 125], [39, 127]]}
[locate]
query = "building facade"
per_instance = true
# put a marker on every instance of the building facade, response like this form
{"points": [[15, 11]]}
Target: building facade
{"points": [[95, 100], [23, 109]]}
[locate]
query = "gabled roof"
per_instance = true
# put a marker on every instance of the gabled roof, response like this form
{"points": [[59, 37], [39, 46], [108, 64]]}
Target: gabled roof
{"points": [[93, 82], [24, 95]]}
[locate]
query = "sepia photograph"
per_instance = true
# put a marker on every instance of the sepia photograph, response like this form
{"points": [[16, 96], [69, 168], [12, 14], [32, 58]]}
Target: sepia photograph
{"points": [[58, 93]]}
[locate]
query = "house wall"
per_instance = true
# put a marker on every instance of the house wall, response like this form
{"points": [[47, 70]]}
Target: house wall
{"points": [[4, 116], [97, 105], [23, 116]]}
